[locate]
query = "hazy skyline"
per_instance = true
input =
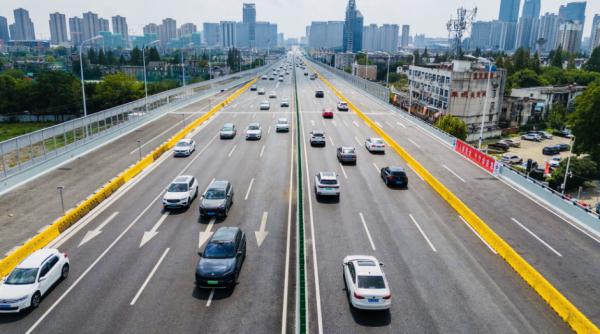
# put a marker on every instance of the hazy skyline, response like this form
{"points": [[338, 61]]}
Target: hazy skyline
{"points": [[424, 16]]}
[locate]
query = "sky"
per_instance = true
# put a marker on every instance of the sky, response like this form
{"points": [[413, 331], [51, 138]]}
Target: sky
{"points": [[427, 17]]}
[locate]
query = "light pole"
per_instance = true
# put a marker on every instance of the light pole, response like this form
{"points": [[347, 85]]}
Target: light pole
{"points": [[145, 79], [487, 96], [139, 142], [82, 81], [564, 184], [182, 63], [62, 201], [387, 77]]}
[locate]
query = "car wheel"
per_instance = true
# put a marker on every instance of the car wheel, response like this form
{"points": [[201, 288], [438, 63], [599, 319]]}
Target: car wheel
{"points": [[64, 273], [189, 203], [35, 300]]}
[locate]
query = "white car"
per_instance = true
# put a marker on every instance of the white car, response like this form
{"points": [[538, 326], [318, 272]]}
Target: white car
{"points": [[555, 162], [265, 105], [253, 131], [375, 145], [342, 106], [326, 184], [366, 285], [181, 192], [284, 102], [272, 95], [510, 158], [280, 79], [184, 147], [264, 77], [32, 279], [261, 91], [282, 125]]}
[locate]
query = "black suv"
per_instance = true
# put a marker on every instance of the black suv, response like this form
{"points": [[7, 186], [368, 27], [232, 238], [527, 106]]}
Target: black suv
{"points": [[394, 176], [217, 199], [551, 150], [319, 93], [221, 262]]}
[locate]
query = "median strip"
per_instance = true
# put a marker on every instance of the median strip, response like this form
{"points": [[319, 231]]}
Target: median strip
{"points": [[72, 216], [561, 305]]}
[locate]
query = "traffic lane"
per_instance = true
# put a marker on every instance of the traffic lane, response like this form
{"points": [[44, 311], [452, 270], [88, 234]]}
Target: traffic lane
{"points": [[566, 256], [256, 300], [466, 281]]}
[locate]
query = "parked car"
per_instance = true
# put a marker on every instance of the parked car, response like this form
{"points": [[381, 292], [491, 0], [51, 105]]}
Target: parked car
{"points": [[342, 106], [511, 142], [327, 113], [346, 154], [544, 134], [499, 146], [555, 162], [531, 137], [228, 131], [221, 261], [563, 147], [217, 199], [563, 133], [509, 158], [319, 94], [366, 285], [551, 150], [33, 278], [317, 138], [181, 192], [184, 147], [394, 176]]}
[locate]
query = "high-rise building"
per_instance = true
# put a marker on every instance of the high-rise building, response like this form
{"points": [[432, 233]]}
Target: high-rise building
{"points": [[91, 25], [353, 28], [370, 37], [326, 35], [167, 31], [151, 28], [242, 35], [22, 29], [595, 35], [103, 25], [4, 35], [388, 37], [493, 35], [573, 11], [547, 32], [531, 9], [119, 25], [404, 40], [76, 30], [227, 34], [280, 39], [58, 29], [186, 29], [527, 32], [569, 36], [266, 35], [509, 10], [249, 18], [211, 34], [480, 35]]}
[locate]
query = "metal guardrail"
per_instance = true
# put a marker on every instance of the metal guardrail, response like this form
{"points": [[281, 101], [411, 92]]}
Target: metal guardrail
{"points": [[543, 193], [27, 151]]}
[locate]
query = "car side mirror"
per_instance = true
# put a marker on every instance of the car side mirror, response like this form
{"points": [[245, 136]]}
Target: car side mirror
{"points": [[381, 264], [199, 253], [42, 279]]}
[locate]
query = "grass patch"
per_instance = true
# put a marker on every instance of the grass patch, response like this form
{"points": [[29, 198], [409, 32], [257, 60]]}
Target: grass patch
{"points": [[11, 130]]}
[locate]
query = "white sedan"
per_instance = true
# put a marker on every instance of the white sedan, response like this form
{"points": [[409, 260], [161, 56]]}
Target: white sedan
{"points": [[184, 147], [366, 285], [253, 131], [264, 105], [375, 145], [32, 279], [181, 192]]}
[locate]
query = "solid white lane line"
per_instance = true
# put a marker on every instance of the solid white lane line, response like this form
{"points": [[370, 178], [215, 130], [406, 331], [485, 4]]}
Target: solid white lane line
{"points": [[477, 234], [137, 295], [288, 238], [357, 141], [402, 125], [249, 189], [356, 124], [343, 171], [414, 143], [453, 173], [419, 175], [210, 297], [262, 150], [535, 236], [362, 218], [423, 233], [232, 150], [376, 168], [312, 235]]}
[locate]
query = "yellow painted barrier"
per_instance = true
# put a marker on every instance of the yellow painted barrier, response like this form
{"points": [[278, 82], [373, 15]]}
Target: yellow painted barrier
{"points": [[72, 216], [561, 305]]}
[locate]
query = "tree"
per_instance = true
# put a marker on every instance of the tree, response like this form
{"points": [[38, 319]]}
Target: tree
{"points": [[580, 170], [101, 57], [152, 55], [585, 122], [56, 92], [593, 64], [521, 59], [526, 78], [136, 57], [557, 117], [571, 62], [14, 92], [556, 58], [536, 63], [452, 125], [116, 89], [92, 57]]}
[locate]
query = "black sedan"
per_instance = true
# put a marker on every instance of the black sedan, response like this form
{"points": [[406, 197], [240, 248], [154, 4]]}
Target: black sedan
{"points": [[394, 176], [551, 150], [221, 262]]}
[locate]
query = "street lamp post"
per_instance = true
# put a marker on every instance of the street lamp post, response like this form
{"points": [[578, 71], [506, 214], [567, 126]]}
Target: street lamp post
{"points": [[62, 200], [485, 104], [139, 142], [564, 184], [145, 79], [82, 81], [183, 64]]}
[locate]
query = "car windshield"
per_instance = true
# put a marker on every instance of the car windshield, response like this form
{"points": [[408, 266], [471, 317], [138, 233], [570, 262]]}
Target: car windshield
{"points": [[328, 182], [178, 187], [183, 144], [227, 128], [398, 173], [377, 141], [253, 127], [348, 150], [215, 194], [317, 134], [282, 121], [371, 282], [219, 250], [22, 276]]}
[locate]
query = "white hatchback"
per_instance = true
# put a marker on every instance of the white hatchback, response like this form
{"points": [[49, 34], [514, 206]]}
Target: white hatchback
{"points": [[32, 279], [184, 147], [365, 281], [375, 145]]}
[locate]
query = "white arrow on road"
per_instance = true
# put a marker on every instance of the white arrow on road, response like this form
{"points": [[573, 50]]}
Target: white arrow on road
{"points": [[205, 235], [94, 233], [262, 234], [148, 235]]}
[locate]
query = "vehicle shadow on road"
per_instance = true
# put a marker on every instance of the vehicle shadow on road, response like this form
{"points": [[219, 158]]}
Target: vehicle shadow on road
{"points": [[371, 318], [14, 317], [328, 199], [204, 294]]}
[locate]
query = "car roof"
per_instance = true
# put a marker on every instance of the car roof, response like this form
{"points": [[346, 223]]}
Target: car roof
{"points": [[344, 148], [328, 175], [315, 132], [226, 234], [36, 258], [183, 179], [282, 120], [365, 265], [218, 184]]}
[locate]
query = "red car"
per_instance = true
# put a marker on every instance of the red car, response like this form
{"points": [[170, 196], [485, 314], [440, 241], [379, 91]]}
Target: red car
{"points": [[327, 113]]}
